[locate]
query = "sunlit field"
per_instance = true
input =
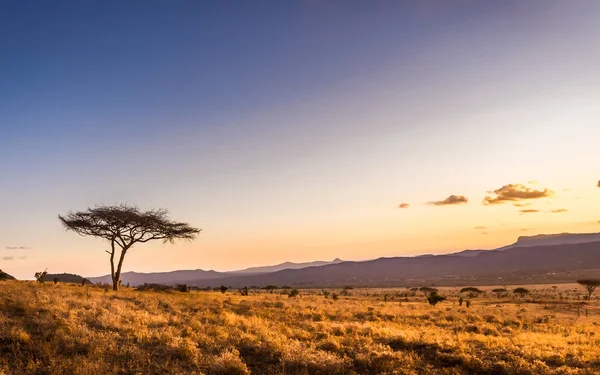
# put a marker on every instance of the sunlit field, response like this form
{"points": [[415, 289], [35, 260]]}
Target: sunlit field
{"points": [[72, 329]]}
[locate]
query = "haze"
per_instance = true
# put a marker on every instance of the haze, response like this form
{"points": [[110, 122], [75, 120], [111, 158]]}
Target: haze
{"points": [[297, 131]]}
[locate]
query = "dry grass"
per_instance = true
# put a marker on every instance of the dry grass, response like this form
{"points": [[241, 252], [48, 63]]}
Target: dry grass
{"points": [[69, 329]]}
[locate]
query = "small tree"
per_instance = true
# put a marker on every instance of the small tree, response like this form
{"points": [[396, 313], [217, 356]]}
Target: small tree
{"points": [[521, 292], [184, 288], [40, 276], [434, 298], [590, 285], [472, 291], [271, 288], [499, 292], [224, 289], [428, 290], [294, 293], [244, 291], [55, 280], [124, 226]]}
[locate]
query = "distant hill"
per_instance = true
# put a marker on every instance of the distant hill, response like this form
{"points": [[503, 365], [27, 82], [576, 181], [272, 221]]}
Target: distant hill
{"points": [[540, 258], [173, 277], [556, 263], [554, 239], [4, 276], [192, 276], [64, 278], [285, 266], [541, 240]]}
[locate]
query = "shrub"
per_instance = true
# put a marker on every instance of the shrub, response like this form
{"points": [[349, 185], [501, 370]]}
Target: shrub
{"points": [[427, 290], [472, 291], [224, 289], [182, 288], [590, 285], [39, 276], [294, 293], [500, 292], [521, 292], [434, 298], [270, 288]]}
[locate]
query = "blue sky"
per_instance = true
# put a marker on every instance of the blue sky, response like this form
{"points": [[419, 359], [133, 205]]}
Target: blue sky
{"points": [[292, 130]]}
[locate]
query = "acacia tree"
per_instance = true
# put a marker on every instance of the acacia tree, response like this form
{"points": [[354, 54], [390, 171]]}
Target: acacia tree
{"points": [[590, 285], [124, 226]]}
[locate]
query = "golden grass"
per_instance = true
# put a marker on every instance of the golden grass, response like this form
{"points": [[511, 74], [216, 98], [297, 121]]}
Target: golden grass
{"points": [[70, 329]]}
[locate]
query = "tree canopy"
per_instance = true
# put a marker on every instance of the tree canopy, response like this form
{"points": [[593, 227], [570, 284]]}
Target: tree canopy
{"points": [[521, 291], [125, 225], [590, 285]]}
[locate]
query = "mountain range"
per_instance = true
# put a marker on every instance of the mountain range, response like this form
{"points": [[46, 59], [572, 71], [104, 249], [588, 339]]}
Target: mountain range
{"points": [[531, 259]]}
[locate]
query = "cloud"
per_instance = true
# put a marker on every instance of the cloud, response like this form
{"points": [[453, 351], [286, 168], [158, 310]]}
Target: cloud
{"points": [[515, 192], [528, 211], [525, 229], [8, 258], [484, 233], [23, 257], [480, 227], [521, 204], [559, 210], [404, 205], [17, 248], [598, 183], [453, 199]]}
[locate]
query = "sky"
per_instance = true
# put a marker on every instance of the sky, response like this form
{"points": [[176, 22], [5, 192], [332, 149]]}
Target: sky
{"points": [[296, 130]]}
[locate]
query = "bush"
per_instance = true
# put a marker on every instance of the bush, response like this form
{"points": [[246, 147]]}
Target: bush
{"points": [[521, 292], [472, 291], [182, 288], [435, 298], [39, 276], [294, 293]]}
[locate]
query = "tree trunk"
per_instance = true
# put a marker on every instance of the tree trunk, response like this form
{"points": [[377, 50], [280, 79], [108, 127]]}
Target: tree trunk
{"points": [[117, 278], [112, 266]]}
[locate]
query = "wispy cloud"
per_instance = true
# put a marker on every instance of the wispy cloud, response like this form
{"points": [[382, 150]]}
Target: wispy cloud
{"points": [[528, 211], [8, 258], [559, 210], [525, 229], [404, 205], [480, 227], [17, 248], [515, 192], [598, 183], [451, 200]]}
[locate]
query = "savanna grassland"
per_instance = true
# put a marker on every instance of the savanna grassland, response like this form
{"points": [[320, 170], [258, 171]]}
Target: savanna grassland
{"points": [[72, 329]]}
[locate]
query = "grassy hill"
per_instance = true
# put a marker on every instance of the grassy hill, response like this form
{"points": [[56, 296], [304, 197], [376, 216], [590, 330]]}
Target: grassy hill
{"points": [[65, 278], [71, 329], [5, 276]]}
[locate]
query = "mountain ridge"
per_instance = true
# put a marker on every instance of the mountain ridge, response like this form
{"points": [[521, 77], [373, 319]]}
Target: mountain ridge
{"points": [[201, 277]]}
